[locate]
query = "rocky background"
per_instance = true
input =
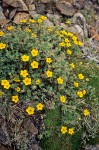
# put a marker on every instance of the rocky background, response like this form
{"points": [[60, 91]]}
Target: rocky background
{"points": [[83, 16], [84, 22]]}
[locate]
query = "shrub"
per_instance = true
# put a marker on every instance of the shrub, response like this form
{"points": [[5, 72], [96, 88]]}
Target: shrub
{"points": [[40, 64]]}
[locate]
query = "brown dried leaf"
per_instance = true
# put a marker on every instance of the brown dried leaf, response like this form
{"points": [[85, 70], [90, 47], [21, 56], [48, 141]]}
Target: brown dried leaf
{"points": [[94, 34]]}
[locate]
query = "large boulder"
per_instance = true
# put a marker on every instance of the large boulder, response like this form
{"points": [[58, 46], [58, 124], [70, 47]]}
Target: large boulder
{"points": [[79, 4], [79, 19], [65, 8]]}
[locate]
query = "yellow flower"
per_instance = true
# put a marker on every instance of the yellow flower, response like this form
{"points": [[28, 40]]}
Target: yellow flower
{"points": [[27, 81], [1, 93], [69, 52], [24, 73], [18, 89], [63, 129], [39, 20], [2, 45], [80, 94], [10, 28], [31, 20], [69, 34], [34, 64], [38, 81], [84, 92], [43, 18], [28, 30], [62, 44], [25, 58], [71, 131], [34, 52], [66, 40], [80, 43], [74, 38], [86, 112], [76, 42], [30, 110], [62, 99], [76, 84], [60, 80], [48, 60], [23, 21], [15, 99], [40, 106], [34, 35], [61, 35], [1, 33], [72, 65], [64, 32], [6, 84], [49, 73], [81, 76], [68, 44]]}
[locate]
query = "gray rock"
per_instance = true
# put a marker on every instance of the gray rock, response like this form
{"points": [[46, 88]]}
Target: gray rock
{"points": [[31, 7], [65, 8], [33, 144], [55, 18], [29, 2], [79, 19], [40, 8], [29, 125], [33, 14], [95, 1], [94, 147], [4, 137], [79, 4], [51, 16], [45, 1], [50, 11], [91, 50], [1, 14], [63, 25], [76, 29], [19, 4], [48, 23]]}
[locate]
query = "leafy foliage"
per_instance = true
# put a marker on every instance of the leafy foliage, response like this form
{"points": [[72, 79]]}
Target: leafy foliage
{"points": [[41, 64]]}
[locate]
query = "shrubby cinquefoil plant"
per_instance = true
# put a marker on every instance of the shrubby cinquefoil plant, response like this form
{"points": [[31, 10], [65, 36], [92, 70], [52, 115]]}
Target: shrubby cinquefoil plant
{"points": [[38, 63]]}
